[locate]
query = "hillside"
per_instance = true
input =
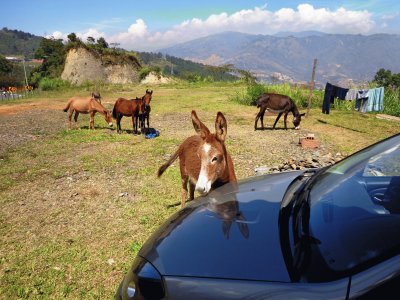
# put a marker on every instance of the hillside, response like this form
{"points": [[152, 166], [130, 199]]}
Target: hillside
{"points": [[17, 43], [182, 68], [341, 58]]}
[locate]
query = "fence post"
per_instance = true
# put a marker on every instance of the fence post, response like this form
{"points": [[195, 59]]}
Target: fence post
{"points": [[312, 84]]}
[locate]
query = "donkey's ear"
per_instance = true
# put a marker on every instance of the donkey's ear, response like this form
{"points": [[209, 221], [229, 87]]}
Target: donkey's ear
{"points": [[220, 127], [200, 128]]}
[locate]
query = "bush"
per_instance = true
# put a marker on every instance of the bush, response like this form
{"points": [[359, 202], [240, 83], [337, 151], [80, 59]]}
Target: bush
{"points": [[53, 84], [391, 102], [250, 95]]}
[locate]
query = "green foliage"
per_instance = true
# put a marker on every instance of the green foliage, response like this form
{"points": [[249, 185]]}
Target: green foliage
{"points": [[387, 79], [90, 40], [72, 37], [5, 65], [184, 69], [101, 42], [11, 74], [391, 104], [250, 94], [15, 42], [53, 84], [53, 53]]}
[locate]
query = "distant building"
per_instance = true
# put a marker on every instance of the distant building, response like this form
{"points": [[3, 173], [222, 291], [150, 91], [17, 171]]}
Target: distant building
{"points": [[13, 58], [36, 61]]}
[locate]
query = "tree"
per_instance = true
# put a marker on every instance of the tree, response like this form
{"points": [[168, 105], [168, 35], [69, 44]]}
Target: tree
{"points": [[383, 77], [101, 42], [90, 40], [72, 37], [387, 79], [5, 66], [10, 73], [53, 53]]}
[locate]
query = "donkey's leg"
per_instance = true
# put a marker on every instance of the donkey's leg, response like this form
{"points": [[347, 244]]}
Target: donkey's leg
{"points": [[133, 124], [256, 121], [260, 114], [91, 123], [184, 181], [284, 119], [76, 120], [119, 117], [70, 112], [277, 119], [148, 120], [191, 190], [262, 117]]}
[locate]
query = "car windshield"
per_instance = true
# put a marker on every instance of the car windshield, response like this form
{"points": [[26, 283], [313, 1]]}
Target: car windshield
{"points": [[354, 212]]}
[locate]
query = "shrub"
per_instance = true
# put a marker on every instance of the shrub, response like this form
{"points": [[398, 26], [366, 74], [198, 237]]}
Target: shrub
{"points": [[250, 95], [52, 84], [391, 102]]}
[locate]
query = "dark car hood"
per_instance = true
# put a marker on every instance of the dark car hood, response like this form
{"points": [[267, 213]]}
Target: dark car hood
{"points": [[232, 233]]}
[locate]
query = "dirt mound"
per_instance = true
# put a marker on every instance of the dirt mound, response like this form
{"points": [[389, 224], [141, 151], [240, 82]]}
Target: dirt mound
{"points": [[154, 78]]}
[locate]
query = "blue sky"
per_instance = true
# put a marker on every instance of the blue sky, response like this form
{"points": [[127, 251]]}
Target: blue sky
{"points": [[150, 25]]}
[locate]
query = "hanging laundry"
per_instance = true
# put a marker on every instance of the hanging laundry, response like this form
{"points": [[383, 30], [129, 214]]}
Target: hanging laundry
{"points": [[351, 94], [362, 100], [332, 91], [375, 99]]}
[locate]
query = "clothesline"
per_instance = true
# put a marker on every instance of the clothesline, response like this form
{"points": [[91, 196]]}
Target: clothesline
{"points": [[366, 99]]}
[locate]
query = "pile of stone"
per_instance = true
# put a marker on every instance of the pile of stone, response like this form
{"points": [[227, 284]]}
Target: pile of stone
{"points": [[310, 161]]}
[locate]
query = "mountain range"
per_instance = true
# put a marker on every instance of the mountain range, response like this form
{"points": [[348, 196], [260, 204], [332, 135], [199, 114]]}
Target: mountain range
{"points": [[342, 59]]}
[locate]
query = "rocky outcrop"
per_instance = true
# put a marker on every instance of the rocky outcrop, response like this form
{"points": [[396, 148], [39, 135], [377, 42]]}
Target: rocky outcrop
{"points": [[83, 65], [153, 78]]}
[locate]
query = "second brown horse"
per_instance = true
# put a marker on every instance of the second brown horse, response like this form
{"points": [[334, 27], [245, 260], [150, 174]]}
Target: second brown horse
{"points": [[128, 108]]}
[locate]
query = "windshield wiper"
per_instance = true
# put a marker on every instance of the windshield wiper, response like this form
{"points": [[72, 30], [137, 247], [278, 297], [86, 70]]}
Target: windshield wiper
{"points": [[296, 206]]}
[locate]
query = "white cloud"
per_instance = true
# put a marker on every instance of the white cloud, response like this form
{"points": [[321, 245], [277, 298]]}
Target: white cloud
{"points": [[56, 35], [94, 33], [254, 21], [390, 16]]}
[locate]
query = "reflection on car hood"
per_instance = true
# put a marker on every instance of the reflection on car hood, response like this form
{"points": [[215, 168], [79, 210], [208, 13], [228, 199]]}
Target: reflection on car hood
{"points": [[232, 233]]}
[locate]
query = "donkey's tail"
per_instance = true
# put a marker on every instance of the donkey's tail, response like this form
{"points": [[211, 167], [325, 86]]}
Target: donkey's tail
{"points": [[162, 169], [67, 107]]}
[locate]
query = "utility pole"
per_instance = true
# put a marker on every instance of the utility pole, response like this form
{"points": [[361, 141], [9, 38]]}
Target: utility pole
{"points": [[26, 79], [312, 85]]}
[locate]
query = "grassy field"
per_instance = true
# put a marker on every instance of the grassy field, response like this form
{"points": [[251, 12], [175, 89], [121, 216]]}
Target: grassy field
{"points": [[77, 205]]}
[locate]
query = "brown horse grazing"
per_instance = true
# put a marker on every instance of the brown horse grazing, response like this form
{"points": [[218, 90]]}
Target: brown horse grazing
{"points": [[203, 159], [146, 108], [81, 105], [280, 104], [128, 108]]}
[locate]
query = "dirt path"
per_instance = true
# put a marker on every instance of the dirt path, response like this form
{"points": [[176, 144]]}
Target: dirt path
{"points": [[26, 122]]}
